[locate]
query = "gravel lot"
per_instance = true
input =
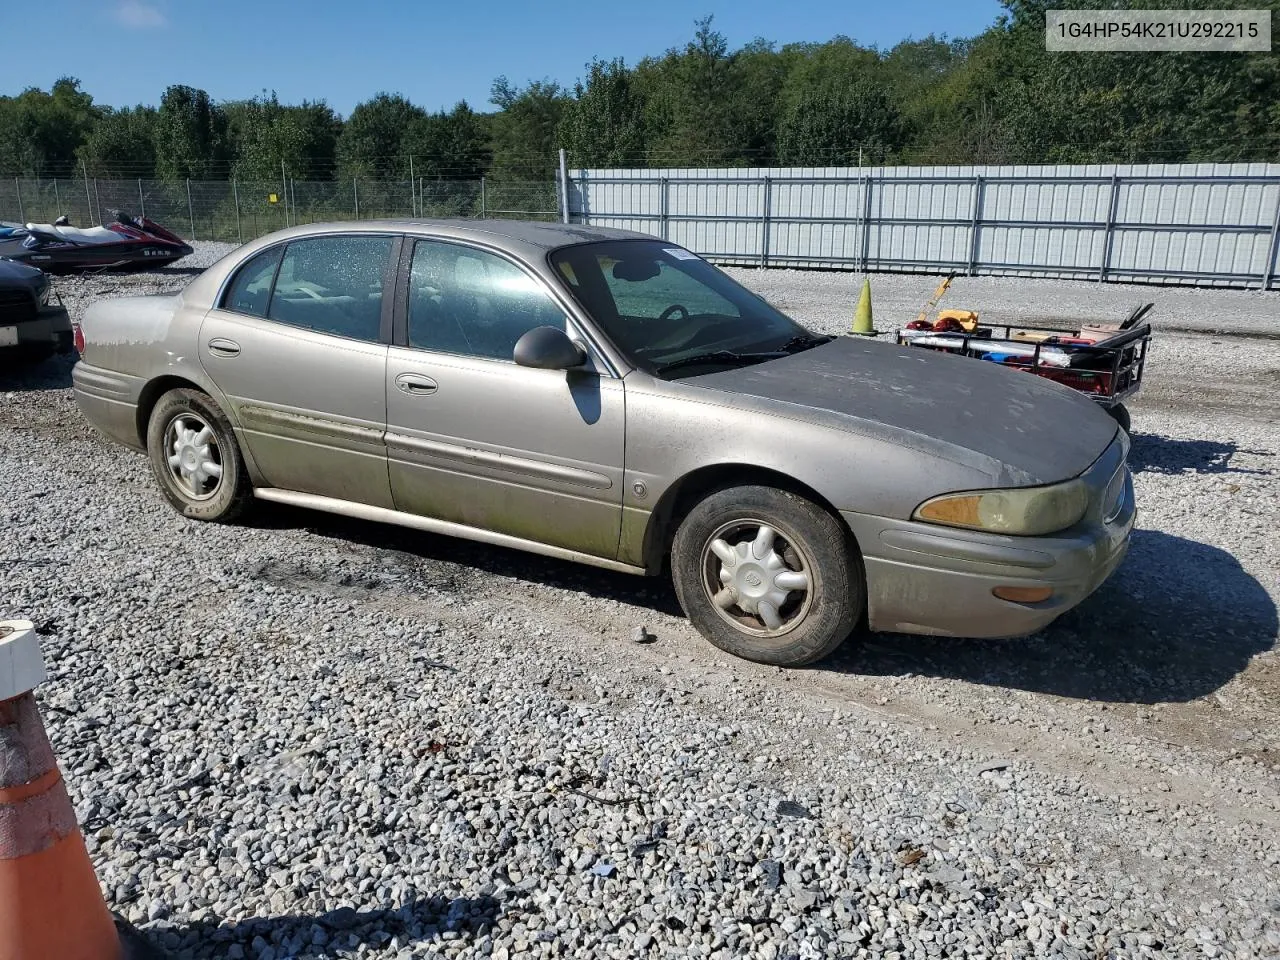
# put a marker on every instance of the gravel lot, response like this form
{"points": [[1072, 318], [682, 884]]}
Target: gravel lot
{"points": [[314, 737]]}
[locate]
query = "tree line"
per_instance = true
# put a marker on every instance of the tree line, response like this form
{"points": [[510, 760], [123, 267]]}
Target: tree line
{"points": [[998, 97]]}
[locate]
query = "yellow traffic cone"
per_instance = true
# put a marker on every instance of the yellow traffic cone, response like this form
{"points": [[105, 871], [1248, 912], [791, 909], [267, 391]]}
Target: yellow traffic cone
{"points": [[862, 314]]}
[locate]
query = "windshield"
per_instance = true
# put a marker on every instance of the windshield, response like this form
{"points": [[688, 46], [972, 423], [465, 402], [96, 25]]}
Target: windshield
{"points": [[671, 312]]}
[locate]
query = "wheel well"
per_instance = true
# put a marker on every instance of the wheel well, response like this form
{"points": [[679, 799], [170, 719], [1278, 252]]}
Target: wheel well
{"points": [[151, 395], [683, 495]]}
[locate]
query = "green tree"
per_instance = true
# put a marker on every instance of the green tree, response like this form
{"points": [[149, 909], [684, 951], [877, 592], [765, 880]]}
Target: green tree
{"points": [[604, 124], [524, 134], [448, 146], [263, 133], [190, 136], [122, 143], [690, 101], [40, 132], [371, 142], [841, 128]]}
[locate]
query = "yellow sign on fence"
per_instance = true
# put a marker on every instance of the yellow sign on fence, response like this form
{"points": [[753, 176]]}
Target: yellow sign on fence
{"points": [[272, 198]]}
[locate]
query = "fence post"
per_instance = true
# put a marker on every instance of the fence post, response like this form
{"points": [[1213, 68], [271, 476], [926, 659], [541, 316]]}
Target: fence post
{"points": [[664, 206], [764, 225], [284, 191], [866, 223], [1112, 205], [355, 192], [483, 200], [88, 197], [1268, 268], [17, 186], [975, 224], [235, 193], [191, 210], [413, 197], [564, 187], [293, 198], [142, 200], [57, 198], [98, 198]]}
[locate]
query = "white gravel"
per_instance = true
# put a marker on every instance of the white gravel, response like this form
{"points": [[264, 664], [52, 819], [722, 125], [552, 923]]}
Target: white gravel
{"points": [[315, 738]]}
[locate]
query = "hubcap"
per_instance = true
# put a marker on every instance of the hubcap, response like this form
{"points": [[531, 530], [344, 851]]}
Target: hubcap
{"points": [[757, 579], [195, 462]]}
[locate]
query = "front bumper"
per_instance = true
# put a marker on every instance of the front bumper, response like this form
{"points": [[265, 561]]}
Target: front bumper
{"points": [[924, 578]]}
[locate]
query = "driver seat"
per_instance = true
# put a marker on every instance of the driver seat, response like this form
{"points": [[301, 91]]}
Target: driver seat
{"points": [[75, 234]]}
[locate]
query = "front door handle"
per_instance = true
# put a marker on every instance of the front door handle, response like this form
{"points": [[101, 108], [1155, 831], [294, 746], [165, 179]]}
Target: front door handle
{"points": [[222, 347], [415, 384]]}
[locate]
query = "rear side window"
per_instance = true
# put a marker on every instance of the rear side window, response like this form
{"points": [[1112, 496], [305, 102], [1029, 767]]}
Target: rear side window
{"points": [[251, 288], [333, 285]]}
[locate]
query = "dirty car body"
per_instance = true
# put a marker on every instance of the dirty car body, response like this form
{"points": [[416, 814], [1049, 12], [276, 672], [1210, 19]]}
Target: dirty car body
{"points": [[610, 398]]}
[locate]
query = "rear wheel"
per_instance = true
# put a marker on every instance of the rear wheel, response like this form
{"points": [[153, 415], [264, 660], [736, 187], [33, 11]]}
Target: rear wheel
{"points": [[767, 575], [195, 458]]}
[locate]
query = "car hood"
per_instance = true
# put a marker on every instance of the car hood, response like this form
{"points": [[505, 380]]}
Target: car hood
{"points": [[1035, 431], [14, 274]]}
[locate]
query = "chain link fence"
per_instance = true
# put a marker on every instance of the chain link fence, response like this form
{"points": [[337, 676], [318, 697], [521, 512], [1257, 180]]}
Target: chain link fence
{"points": [[239, 210]]}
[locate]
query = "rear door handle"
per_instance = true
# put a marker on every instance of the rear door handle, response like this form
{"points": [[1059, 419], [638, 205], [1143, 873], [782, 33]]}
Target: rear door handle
{"points": [[416, 385], [222, 347]]}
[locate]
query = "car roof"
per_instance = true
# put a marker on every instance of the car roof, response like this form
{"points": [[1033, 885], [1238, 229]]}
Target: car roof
{"points": [[524, 233], [527, 239]]}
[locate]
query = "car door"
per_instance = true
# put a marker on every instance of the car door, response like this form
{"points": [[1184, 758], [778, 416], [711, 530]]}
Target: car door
{"points": [[298, 345], [475, 439]]}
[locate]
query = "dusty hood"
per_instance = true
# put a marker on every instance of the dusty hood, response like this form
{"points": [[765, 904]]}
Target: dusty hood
{"points": [[1042, 431]]}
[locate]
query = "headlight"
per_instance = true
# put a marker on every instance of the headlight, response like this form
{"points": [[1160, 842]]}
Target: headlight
{"points": [[1022, 511]]}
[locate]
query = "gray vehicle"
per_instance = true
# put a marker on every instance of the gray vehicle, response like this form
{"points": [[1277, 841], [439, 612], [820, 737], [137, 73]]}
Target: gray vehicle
{"points": [[33, 322], [611, 398]]}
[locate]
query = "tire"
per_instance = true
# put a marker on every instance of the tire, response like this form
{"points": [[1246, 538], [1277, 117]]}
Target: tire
{"points": [[809, 545], [1120, 414], [173, 431]]}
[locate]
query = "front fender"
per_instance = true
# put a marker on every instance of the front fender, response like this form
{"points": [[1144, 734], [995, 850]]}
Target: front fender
{"points": [[675, 432]]}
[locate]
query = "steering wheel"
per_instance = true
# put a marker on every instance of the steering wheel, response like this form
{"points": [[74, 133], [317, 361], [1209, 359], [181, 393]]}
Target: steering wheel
{"points": [[671, 311]]}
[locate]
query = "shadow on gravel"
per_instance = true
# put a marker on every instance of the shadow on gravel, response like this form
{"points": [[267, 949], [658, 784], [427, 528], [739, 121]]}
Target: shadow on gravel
{"points": [[27, 375], [1177, 621], [452, 562], [1152, 453], [340, 932]]}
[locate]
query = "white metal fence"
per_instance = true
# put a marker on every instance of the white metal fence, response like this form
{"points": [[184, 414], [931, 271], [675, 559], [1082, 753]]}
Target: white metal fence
{"points": [[239, 210], [1214, 224]]}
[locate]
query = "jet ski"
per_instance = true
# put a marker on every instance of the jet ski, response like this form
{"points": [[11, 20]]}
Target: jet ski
{"points": [[8, 230], [123, 243]]}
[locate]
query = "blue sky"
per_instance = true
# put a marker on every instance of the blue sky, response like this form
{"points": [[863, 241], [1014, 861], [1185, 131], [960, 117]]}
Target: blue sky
{"points": [[343, 51]]}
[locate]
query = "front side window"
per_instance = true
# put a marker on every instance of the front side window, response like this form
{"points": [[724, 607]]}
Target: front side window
{"points": [[470, 302], [251, 288], [333, 285], [672, 313]]}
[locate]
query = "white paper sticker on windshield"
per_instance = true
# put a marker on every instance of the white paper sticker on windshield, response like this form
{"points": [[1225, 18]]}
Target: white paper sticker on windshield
{"points": [[680, 254]]}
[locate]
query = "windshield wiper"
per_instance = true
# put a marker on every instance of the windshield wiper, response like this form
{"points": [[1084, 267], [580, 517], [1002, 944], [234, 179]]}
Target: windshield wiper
{"points": [[803, 342], [719, 356]]}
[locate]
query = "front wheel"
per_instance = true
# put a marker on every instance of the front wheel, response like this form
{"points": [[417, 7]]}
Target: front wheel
{"points": [[194, 456], [1120, 413], [767, 575]]}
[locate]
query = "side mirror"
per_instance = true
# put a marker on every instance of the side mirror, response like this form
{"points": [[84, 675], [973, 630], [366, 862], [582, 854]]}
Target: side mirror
{"points": [[548, 348]]}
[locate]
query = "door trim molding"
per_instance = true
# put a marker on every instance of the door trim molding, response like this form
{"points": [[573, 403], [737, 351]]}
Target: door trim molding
{"points": [[498, 461], [364, 511], [255, 417]]}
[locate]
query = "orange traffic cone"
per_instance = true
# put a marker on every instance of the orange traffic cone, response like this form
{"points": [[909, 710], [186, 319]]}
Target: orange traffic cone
{"points": [[50, 905]]}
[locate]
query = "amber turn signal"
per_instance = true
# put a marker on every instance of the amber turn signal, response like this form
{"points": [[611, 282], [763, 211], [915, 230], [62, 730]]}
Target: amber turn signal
{"points": [[1023, 594]]}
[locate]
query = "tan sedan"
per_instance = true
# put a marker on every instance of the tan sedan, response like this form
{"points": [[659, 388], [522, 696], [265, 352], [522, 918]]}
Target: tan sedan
{"points": [[611, 398]]}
